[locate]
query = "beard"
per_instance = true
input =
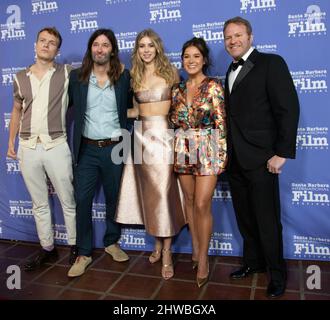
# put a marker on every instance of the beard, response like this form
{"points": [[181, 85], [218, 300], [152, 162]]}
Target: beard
{"points": [[101, 60]]}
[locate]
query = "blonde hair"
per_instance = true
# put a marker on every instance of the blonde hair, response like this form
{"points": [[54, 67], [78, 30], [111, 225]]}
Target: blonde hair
{"points": [[163, 67]]}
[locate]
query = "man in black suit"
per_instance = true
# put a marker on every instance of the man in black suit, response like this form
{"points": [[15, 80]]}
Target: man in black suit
{"points": [[262, 119], [100, 93]]}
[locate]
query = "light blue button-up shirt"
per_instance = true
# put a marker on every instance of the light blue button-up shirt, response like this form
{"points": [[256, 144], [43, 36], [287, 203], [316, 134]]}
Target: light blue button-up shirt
{"points": [[101, 116]]}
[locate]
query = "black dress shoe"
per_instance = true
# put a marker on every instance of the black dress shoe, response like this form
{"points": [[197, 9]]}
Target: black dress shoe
{"points": [[245, 271], [275, 289], [73, 254], [42, 257]]}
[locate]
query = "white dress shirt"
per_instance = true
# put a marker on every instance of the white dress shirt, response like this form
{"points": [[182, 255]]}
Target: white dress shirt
{"points": [[233, 74]]}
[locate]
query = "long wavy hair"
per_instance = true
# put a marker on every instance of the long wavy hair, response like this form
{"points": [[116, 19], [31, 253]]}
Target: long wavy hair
{"points": [[163, 67], [114, 63]]}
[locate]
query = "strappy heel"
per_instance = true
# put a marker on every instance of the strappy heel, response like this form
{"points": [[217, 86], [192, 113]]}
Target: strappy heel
{"points": [[167, 268], [155, 256]]}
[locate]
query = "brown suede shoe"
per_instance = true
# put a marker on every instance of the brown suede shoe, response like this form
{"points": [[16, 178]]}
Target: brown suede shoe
{"points": [[116, 253], [79, 266]]}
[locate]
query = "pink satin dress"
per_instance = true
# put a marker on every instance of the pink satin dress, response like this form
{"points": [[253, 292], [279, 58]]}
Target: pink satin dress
{"points": [[150, 194]]}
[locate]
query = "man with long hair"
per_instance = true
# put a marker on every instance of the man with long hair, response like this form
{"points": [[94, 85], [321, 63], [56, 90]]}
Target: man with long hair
{"points": [[100, 94], [40, 104]]}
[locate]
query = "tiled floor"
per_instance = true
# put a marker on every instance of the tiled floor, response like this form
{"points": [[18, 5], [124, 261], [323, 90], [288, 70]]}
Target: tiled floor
{"points": [[138, 279]]}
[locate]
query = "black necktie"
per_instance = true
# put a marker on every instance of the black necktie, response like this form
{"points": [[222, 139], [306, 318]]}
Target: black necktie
{"points": [[234, 65]]}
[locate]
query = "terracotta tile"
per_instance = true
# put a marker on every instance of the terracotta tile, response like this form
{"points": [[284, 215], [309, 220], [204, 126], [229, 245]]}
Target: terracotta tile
{"points": [[96, 280], [134, 286], [134, 252], [178, 290], [5, 292], [98, 251], [111, 297], [221, 274], [4, 264], [292, 264], [260, 294], [262, 280], [325, 283], [63, 255], [57, 275], [221, 292], [292, 283], [78, 295], [5, 245], [144, 278], [324, 265], [184, 256], [143, 266], [230, 260], [107, 263], [32, 275], [38, 292], [21, 252], [317, 297], [183, 270]]}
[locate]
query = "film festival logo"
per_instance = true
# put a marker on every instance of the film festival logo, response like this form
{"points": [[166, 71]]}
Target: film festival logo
{"points": [[166, 11], [60, 233], [12, 166], [310, 81], [211, 32], [13, 29], [310, 23], [310, 194], [311, 247], [126, 41], [312, 138], [267, 48], [222, 192], [6, 118], [221, 243], [98, 212], [249, 6], [175, 59], [110, 2], [8, 75], [20, 209], [133, 238], [39, 7], [83, 22]]}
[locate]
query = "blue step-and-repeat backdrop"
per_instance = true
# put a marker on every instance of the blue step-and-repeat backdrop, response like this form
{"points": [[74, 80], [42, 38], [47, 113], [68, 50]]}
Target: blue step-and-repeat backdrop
{"points": [[297, 30]]}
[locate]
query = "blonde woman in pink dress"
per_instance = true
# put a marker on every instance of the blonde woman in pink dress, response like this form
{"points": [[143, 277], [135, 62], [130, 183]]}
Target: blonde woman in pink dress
{"points": [[149, 193]]}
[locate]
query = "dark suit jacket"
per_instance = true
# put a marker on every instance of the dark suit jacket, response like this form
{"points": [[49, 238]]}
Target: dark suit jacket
{"points": [[262, 111], [78, 98]]}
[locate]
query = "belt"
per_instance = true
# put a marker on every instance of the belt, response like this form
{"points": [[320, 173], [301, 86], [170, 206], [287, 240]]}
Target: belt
{"points": [[102, 143]]}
